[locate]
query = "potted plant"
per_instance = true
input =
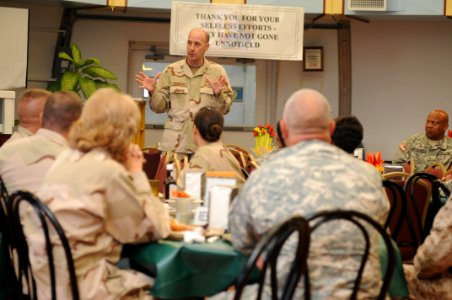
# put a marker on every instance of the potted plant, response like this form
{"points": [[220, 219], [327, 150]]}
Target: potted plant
{"points": [[82, 75]]}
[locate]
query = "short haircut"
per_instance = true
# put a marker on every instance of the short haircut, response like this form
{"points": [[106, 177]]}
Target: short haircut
{"points": [[61, 110], [31, 103], [209, 122], [203, 31], [109, 121], [348, 133], [307, 111]]}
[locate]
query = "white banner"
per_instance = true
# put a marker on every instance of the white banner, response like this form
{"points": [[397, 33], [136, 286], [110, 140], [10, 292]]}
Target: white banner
{"points": [[243, 31]]}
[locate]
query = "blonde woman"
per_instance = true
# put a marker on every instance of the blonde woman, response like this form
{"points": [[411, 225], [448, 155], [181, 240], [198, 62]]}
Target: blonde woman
{"points": [[102, 198]]}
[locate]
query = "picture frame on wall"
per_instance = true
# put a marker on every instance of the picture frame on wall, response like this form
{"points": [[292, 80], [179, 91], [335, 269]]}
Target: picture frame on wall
{"points": [[312, 59]]}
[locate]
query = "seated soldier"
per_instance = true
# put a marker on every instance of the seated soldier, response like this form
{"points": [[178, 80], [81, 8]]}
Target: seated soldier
{"points": [[425, 149]]}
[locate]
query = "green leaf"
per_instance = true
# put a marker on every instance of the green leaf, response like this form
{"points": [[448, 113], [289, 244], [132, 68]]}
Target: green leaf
{"points": [[76, 55], [54, 87], [103, 84], [65, 56], [69, 81], [97, 71], [88, 86], [89, 61]]}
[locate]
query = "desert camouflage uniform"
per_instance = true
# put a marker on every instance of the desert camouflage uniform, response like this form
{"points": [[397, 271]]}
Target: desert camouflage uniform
{"points": [[100, 206], [433, 260], [424, 152], [25, 161], [213, 157], [180, 93], [19, 133], [301, 180]]}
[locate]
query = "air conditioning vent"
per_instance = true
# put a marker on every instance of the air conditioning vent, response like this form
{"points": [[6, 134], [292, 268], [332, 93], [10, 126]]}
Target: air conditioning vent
{"points": [[367, 5]]}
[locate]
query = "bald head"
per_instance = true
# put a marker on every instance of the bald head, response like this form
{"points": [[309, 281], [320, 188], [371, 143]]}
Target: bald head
{"points": [[307, 112], [436, 124], [30, 107], [200, 30]]}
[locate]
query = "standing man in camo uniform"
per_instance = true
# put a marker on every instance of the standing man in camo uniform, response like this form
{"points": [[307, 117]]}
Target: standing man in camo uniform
{"points": [[308, 176], [427, 148], [183, 88]]}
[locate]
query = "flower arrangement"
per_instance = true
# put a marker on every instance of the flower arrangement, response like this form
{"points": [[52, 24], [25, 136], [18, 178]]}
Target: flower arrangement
{"points": [[375, 160], [263, 138]]}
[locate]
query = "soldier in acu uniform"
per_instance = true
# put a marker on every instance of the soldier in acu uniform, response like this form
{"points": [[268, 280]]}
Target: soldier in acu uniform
{"points": [[425, 149], [307, 176]]}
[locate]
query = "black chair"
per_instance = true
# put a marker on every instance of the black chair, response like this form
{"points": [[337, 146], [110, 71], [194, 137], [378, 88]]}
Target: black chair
{"points": [[268, 248], [358, 219], [46, 218], [438, 188]]}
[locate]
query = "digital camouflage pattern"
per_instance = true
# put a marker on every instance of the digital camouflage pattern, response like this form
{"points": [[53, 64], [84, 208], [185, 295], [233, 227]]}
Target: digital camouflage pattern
{"points": [[431, 275], [424, 152], [180, 94], [303, 179], [213, 157], [100, 206], [24, 161]]}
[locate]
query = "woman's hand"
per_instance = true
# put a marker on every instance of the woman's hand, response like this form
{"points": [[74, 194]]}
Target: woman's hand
{"points": [[134, 161]]}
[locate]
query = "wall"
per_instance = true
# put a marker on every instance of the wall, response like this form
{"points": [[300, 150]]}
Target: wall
{"points": [[400, 72]]}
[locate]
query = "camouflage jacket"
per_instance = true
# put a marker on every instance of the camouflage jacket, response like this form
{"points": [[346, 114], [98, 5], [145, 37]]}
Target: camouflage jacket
{"points": [[419, 149], [213, 157], [100, 206], [302, 180], [19, 133], [25, 161], [180, 94], [431, 277]]}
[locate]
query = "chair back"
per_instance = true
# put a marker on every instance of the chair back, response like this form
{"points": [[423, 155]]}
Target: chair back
{"points": [[398, 207], [46, 218], [9, 284], [440, 194], [418, 188], [268, 249], [359, 219], [245, 159]]}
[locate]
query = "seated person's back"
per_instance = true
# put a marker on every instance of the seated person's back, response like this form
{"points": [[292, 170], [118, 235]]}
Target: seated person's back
{"points": [[102, 198], [25, 161], [212, 154], [308, 176]]}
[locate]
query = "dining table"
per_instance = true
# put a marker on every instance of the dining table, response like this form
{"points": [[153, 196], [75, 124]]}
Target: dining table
{"points": [[185, 270]]}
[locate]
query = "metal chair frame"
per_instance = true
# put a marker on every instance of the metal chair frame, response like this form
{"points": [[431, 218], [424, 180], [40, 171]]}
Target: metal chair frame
{"points": [[356, 217], [46, 217], [269, 248]]}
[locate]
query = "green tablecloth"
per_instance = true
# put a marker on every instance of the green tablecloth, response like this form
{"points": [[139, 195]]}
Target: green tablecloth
{"points": [[198, 270], [188, 270]]}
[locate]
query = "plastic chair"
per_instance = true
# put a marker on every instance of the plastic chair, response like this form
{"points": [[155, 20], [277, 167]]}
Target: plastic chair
{"points": [[46, 218], [358, 219], [268, 248]]}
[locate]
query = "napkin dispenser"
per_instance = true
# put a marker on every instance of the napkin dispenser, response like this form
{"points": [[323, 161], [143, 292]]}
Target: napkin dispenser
{"points": [[217, 178], [220, 199], [194, 183]]}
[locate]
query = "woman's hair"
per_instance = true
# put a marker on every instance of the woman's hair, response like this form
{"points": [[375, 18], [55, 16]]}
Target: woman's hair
{"points": [[109, 121], [209, 122]]}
